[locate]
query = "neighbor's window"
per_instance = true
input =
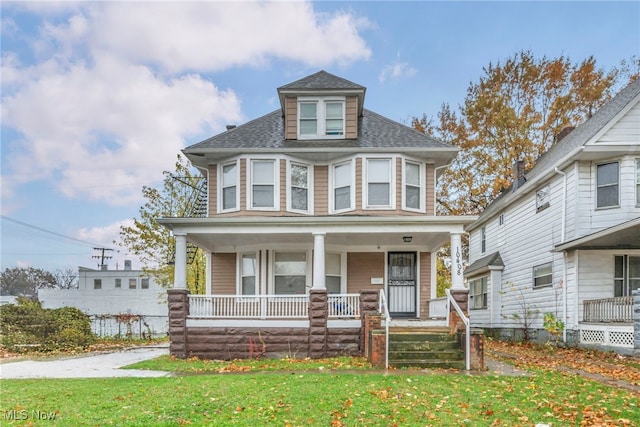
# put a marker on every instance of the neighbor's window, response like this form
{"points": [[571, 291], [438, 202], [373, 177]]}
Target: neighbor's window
{"points": [[412, 186], [626, 276], [229, 186], [133, 283], [542, 275], [97, 283], [378, 183], [299, 190], [118, 283], [248, 269], [342, 177], [542, 198], [483, 239], [144, 283], [321, 118], [607, 185], [290, 272], [332, 273], [478, 293], [263, 179]]}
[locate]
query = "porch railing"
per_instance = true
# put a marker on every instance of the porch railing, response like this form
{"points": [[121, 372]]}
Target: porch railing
{"points": [[344, 306], [608, 310], [340, 306], [384, 311], [249, 307]]}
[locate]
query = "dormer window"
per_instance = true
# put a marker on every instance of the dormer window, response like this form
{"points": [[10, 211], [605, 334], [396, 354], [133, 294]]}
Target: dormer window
{"points": [[321, 118]]}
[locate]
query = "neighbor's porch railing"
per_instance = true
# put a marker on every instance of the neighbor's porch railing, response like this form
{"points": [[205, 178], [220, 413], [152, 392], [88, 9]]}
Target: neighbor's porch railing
{"points": [[608, 310], [340, 306]]}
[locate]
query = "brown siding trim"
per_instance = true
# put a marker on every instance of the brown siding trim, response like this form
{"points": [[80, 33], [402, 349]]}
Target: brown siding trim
{"points": [[361, 267], [425, 284], [223, 273], [213, 190]]}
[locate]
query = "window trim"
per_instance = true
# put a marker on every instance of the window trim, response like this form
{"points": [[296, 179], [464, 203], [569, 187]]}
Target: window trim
{"points": [[310, 189], [534, 277], [134, 281], [97, 283], [637, 182], [276, 184], [220, 174], [239, 273], [343, 270], [352, 185], [321, 116], [473, 295], [272, 269], [392, 184], [422, 186], [617, 205], [545, 191]]}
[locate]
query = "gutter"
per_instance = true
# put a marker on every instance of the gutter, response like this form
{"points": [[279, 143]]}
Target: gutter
{"points": [[564, 253]]}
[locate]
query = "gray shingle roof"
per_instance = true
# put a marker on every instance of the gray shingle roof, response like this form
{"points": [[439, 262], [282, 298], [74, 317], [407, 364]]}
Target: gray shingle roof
{"points": [[267, 132], [491, 260], [321, 81]]}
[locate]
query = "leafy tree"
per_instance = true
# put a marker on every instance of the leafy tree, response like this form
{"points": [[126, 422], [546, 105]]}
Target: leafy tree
{"points": [[152, 242], [514, 112], [25, 282]]}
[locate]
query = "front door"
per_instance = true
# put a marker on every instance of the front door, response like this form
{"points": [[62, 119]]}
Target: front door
{"points": [[402, 284]]}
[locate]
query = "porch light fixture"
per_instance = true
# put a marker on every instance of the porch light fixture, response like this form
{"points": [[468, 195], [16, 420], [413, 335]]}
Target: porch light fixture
{"points": [[407, 239]]}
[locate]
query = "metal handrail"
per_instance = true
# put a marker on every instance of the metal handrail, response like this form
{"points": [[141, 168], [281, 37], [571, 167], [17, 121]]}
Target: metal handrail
{"points": [[384, 310], [465, 320]]}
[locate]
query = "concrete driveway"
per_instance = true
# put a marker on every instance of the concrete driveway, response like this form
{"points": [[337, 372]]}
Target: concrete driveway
{"points": [[102, 365]]}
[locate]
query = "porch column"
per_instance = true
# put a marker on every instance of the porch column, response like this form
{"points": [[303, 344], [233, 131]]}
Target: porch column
{"points": [[456, 262], [319, 281], [180, 267]]}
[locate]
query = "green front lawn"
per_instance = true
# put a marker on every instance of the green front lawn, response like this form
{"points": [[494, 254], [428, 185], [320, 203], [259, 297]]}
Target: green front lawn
{"points": [[322, 398]]}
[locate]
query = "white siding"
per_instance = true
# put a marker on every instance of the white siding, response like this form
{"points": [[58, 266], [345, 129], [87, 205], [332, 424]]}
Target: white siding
{"points": [[626, 130]]}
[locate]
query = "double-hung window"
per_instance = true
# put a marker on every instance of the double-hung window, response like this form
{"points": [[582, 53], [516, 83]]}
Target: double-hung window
{"points": [[379, 173], [342, 175], [413, 184], [290, 273], [229, 185], [248, 269], [626, 278], [97, 283], [118, 283], [332, 273], [607, 188], [299, 188], [321, 118], [144, 283], [478, 293], [263, 184], [542, 275]]}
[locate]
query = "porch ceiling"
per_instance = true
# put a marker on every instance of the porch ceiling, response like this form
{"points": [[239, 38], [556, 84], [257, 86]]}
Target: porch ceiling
{"points": [[621, 236], [228, 234]]}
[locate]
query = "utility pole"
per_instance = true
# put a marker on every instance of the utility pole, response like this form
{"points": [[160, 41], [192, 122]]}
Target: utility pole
{"points": [[102, 257]]}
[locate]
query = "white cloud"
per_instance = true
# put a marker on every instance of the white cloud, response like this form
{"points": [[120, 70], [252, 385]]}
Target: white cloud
{"points": [[106, 236], [210, 36], [397, 70]]}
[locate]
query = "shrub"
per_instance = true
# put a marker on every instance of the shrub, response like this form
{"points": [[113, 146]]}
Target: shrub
{"points": [[27, 326]]}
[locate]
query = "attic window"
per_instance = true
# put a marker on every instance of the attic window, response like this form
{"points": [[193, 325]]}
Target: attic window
{"points": [[542, 198], [321, 118]]}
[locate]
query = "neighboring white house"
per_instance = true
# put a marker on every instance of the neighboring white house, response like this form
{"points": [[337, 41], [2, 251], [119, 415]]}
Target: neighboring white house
{"points": [[119, 302], [565, 238]]}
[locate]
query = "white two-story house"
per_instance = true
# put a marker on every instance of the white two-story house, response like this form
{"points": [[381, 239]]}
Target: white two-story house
{"points": [[565, 238]]}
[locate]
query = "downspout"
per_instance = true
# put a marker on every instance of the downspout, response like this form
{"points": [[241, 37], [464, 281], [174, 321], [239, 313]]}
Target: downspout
{"points": [[564, 253]]}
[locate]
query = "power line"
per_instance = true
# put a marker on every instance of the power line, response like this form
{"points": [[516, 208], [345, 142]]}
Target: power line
{"points": [[44, 230]]}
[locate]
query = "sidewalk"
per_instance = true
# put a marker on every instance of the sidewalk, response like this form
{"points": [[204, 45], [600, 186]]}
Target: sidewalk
{"points": [[102, 365]]}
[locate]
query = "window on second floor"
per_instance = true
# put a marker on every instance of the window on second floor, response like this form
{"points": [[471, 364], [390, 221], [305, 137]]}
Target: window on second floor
{"points": [[263, 188], [342, 187], [412, 188], [607, 188], [229, 194], [144, 283], [118, 283], [478, 293], [379, 183], [483, 239], [542, 198], [299, 188], [321, 118], [133, 283], [542, 275]]}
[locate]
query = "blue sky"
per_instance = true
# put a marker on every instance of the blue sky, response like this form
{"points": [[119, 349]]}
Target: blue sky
{"points": [[98, 98]]}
